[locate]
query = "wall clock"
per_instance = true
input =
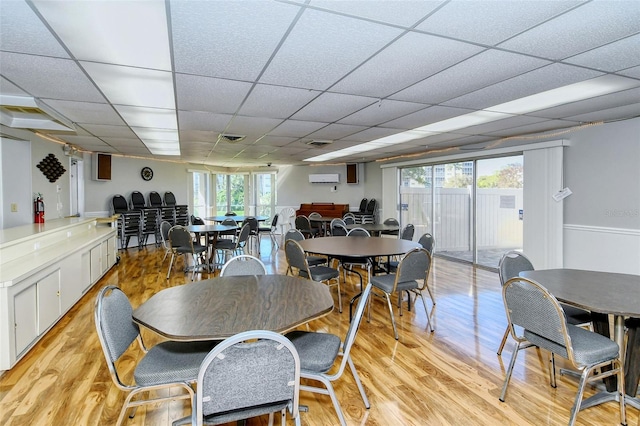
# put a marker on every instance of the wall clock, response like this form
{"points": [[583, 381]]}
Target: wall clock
{"points": [[146, 173]]}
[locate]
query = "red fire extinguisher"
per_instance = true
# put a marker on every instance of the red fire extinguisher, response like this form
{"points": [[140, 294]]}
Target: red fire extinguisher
{"points": [[38, 208]]}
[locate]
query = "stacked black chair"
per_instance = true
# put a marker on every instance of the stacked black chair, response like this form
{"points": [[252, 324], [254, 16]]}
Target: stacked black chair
{"points": [[181, 212], [128, 221]]}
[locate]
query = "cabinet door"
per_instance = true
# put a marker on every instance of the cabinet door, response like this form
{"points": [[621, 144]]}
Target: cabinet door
{"points": [[104, 249], [48, 301], [25, 317], [96, 263], [111, 252], [72, 283]]}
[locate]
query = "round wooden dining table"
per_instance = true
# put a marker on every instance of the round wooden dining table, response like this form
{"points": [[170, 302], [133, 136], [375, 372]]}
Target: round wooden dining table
{"points": [[375, 228], [214, 231], [221, 307]]}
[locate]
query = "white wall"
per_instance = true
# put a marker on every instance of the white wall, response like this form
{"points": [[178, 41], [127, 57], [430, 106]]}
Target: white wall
{"points": [[125, 178], [15, 187], [602, 216]]}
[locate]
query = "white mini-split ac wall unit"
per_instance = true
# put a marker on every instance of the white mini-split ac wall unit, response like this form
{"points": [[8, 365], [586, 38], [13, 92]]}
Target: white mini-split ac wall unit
{"points": [[325, 178]]}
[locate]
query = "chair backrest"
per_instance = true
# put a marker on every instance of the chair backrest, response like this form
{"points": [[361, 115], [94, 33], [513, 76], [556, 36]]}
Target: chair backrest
{"points": [[296, 257], [391, 221], [511, 264], [315, 215], [414, 266], [287, 214], [137, 200], [253, 224], [349, 219], [293, 234], [164, 232], [337, 220], [407, 232], [195, 220], [230, 214], [371, 206], [119, 204], [274, 222], [115, 326], [243, 236], [428, 242], [154, 199], [251, 370], [169, 199], [180, 237], [358, 232], [303, 223], [229, 221], [339, 230], [530, 305], [243, 264], [363, 205]]}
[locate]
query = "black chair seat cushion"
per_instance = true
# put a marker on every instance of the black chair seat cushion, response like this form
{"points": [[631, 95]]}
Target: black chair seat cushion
{"points": [[172, 362], [225, 244], [576, 316], [316, 260], [317, 351]]}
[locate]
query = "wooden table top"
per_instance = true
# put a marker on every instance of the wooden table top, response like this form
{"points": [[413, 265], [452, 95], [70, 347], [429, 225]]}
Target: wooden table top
{"points": [[221, 307], [604, 292], [358, 246]]}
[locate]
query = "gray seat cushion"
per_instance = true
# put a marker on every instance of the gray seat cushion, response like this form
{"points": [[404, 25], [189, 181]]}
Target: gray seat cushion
{"points": [[172, 362], [385, 283], [321, 273], [316, 260], [317, 351], [588, 347]]}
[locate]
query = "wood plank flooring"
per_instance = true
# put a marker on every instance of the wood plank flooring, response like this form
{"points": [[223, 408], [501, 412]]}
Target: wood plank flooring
{"points": [[450, 377]]}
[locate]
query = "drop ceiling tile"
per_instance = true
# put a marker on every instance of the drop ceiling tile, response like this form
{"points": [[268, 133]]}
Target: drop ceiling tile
{"points": [[101, 130], [425, 116], [330, 107], [323, 47], [198, 137], [229, 39], [546, 127], [370, 134], [275, 101], [86, 112], [381, 112], [490, 22], [276, 141], [21, 31], [506, 123], [125, 143], [101, 147], [241, 125], [405, 14], [631, 72], [591, 105], [484, 69], [82, 140], [208, 94], [406, 61], [203, 121], [335, 131], [44, 77], [539, 80], [296, 128], [617, 113], [612, 57], [8, 88], [591, 25]]}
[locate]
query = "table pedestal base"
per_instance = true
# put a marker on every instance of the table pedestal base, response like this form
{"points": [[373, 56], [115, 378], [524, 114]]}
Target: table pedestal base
{"points": [[604, 396]]}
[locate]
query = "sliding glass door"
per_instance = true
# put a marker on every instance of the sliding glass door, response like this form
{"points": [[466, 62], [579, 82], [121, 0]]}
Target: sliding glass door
{"points": [[265, 184], [473, 208]]}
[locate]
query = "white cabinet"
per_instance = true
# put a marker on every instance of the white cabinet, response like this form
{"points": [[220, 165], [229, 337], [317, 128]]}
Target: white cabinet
{"points": [[24, 318], [96, 263], [73, 279], [48, 295]]}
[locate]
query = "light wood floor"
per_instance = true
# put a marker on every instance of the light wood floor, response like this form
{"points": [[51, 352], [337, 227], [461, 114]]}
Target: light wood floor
{"points": [[450, 377]]}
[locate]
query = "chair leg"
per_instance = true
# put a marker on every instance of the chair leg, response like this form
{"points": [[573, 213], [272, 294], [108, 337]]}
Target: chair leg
{"points": [[358, 382], [553, 371], [504, 340], [424, 302], [173, 255], [393, 320], [509, 371]]}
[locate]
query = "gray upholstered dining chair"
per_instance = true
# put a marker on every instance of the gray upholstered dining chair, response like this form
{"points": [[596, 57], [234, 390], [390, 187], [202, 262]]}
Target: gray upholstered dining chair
{"points": [[530, 306], [303, 224], [243, 264], [229, 247], [511, 264], [297, 259], [391, 221], [349, 218], [164, 234], [411, 275], [247, 375], [182, 243], [427, 242], [165, 365], [319, 351], [270, 230], [296, 235]]}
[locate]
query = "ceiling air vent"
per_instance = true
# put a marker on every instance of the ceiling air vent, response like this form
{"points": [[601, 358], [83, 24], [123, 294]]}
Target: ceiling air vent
{"points": [[232, 138], [318, 143]]}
